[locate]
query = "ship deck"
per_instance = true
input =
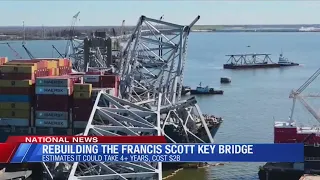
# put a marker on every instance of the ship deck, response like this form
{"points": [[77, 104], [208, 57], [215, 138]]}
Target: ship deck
{"points": [[310, 177], [278, 166], [300, 129]]}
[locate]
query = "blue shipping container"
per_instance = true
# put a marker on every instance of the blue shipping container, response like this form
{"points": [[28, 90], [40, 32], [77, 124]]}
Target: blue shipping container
{"points": [[15, 98], [53, 90]]}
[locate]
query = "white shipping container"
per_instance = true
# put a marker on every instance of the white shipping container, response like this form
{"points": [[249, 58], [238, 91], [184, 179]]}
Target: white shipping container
{"points": [[80, 124], [91, 78], [14, 122], [95, 91], [51, 123], [58, 115], [111, 91], [53, 90]]}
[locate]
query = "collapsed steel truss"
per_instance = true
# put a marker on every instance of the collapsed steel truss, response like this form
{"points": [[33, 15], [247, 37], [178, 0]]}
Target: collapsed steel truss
{"points": [[151, 67], [153, 60], [112, 116]]}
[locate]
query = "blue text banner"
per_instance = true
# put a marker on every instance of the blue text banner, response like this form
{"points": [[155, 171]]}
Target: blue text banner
{"points": [[159, 153]]}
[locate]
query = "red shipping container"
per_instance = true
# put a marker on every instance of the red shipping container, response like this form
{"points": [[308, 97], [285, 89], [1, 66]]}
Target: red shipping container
{"points": [[17, 90], [18, 76], [95, 84], [53, 102], [81, 114], [26, 60], [109, 81], [83, 103]]}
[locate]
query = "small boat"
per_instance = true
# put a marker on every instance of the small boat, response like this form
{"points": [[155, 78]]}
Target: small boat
{"points": [[225, 80], [285, 62], [205, 90]]}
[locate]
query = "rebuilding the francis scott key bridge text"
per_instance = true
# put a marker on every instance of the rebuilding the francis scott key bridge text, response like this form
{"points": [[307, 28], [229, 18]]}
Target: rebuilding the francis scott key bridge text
{"points": [[51, 149]]}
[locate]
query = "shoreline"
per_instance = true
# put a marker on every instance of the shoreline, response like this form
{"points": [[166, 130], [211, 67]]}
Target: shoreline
{"points": [[250, 31]]}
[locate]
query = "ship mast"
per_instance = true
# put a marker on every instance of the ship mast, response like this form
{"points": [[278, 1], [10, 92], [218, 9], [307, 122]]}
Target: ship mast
{"points": [[24, 34]]}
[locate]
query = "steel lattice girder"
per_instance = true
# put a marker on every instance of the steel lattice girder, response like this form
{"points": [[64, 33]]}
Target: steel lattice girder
{"points": [[117, 117], [153, 60], [112, 116]]}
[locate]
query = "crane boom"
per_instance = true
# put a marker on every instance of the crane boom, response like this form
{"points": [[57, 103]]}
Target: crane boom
{"points": [[13, 50], [57, 51], [296, 95], [71, 33], [28, 52], [308, 82], [309, 108]]}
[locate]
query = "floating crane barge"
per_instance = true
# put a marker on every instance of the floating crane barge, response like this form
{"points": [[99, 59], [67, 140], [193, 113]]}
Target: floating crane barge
{"points": [[248, 61], [252, 61]]}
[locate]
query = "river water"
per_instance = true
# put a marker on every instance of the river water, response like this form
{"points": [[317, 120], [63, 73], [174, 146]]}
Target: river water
{"points": [[253, 100]]}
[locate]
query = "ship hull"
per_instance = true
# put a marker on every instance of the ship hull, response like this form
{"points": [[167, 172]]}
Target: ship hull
{"points": [[195, 92], [250, 66], [279, 174], [295, 135], [292, 64], [290, 171]]}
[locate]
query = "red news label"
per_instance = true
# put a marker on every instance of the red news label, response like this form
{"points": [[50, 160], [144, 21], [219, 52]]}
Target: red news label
{"points": [[88, 139], [48, 139]]}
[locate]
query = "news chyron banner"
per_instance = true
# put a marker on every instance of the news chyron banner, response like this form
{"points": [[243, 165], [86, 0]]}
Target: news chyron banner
{"points": [[18, 149]]}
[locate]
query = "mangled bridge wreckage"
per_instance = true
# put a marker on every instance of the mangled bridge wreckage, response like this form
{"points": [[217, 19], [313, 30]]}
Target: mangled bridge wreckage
{"points": [[151, 68]]}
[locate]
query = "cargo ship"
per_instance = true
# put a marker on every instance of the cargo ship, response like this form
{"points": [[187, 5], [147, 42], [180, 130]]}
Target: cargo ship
{"points": [[252, 61], [44, 97]]}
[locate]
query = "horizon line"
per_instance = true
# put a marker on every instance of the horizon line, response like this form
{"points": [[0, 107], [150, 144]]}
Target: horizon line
{"points": [[135, 25]]}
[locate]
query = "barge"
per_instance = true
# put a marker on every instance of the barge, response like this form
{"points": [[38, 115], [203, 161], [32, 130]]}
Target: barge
{"points": [[253, 61]]}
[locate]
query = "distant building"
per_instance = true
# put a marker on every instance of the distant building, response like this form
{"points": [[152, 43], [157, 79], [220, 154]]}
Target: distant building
{"points": [[309, 29]]}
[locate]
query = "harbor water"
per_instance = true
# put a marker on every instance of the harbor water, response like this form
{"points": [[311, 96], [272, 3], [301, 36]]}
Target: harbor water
{"points": [[252, 101]]}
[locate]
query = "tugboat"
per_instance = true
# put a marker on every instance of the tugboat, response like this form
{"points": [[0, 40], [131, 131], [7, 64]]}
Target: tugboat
{"points": [[205, 90], [285, 62]]}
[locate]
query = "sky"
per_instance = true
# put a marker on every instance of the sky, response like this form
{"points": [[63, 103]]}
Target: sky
{"points": [[112, 12]]}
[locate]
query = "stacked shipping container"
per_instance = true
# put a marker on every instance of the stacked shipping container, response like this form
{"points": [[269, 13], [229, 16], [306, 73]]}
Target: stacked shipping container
{"points": [[82, 104], [110, 82], [16, 94], [17, 88], [53, 101], [39, 93]]}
